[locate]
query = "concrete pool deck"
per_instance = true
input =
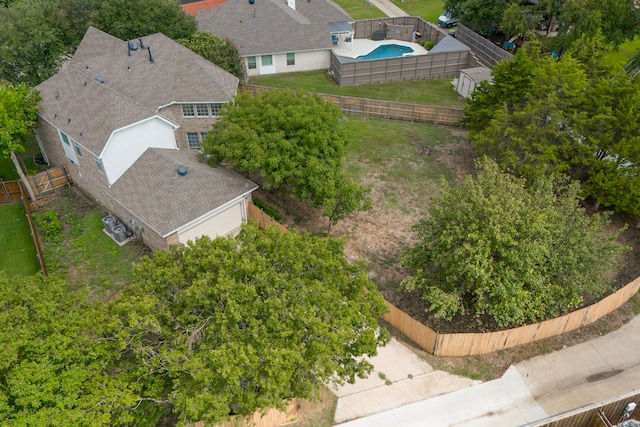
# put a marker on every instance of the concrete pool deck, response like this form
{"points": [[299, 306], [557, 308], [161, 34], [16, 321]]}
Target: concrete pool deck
{"points": [[364, 46]]}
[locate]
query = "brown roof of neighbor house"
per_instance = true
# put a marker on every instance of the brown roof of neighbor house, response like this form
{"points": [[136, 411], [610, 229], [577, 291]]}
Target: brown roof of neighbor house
{"points": [[270, 26], [193, 7], [153, 190], [106, 86]]}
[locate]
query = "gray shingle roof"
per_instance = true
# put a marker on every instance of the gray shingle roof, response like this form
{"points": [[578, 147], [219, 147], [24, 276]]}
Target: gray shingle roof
{"points": [[133, 88], [270, 26], [152, 189], [449, 44]]}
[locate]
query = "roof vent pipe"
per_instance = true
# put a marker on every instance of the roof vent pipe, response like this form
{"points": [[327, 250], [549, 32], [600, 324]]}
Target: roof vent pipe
{"points": [[150, 57], [182, 171]]}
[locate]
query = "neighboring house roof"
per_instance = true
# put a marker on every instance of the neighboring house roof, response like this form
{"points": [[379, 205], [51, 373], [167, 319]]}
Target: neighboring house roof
{"points": [[449, 44], [270, 26], [103, 88], [145, 187], [192, 7]]}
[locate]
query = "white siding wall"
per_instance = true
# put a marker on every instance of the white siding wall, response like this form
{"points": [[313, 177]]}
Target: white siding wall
{"points": [[221, 224], [305, 61], [126, 145]]}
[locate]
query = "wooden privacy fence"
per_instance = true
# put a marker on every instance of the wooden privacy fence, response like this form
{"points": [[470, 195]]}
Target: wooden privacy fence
{"points": [[590, 416], [271, 418], [385, 109], [263, 219], [482, 343], [481, 47], [41, 183], [34, 233]]}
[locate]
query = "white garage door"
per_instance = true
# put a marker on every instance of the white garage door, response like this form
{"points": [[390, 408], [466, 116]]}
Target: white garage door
{"points": [[219, 225]]}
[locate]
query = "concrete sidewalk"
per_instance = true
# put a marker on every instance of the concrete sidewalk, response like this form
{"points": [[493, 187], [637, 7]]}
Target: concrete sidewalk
{"points": [[388, 8], [531, 391], [399, 378]]}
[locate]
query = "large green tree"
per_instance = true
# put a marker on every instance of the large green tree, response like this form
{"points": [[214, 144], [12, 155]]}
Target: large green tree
{"points": [[222, 52], [237, 324], [18, 108], [495, 246], [54, 369], [291, 141], [618, 20], [570, 116]]}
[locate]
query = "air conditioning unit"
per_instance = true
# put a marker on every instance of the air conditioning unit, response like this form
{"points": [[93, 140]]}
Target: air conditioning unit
{"points": [[120, 233], [109, 222]]}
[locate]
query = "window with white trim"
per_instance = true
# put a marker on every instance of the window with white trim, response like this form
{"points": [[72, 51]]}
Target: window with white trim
{"points": [[188, 110], [291, 58], [267, 60], [77, 147], [210, 109], [194, 139], [65, 138], [251, 62], [202, 110], [98, 164], [215, 108]]}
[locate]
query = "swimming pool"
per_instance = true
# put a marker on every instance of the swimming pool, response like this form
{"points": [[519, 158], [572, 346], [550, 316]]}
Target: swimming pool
{"points": [[386, 51]]}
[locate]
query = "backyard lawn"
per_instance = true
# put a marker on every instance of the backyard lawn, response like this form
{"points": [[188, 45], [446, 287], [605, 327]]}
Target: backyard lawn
{"points": [[17, 251], [429, 10], [360, 9], [427, 92], [624, 54], [82, 252]]}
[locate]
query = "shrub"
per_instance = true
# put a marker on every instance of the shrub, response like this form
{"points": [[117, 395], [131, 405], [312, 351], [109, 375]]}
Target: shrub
{"points": [[428, 44], [49, 223], [268, 209]]}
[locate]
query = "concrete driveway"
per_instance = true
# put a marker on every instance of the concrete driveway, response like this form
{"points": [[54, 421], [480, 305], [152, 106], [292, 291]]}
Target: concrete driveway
{"points": [[399, 378]]}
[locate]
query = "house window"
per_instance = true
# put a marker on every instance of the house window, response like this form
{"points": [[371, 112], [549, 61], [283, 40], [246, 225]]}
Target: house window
{"points": [[193, 140], [267, 60], [188, 110], [202, 110], [251, 62], [215, 108], [291, 58], [77, 147], [98, 164], [65, 138]]}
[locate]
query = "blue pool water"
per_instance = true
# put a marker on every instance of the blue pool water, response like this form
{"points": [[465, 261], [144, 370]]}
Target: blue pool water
{"points": [[386, 51]]}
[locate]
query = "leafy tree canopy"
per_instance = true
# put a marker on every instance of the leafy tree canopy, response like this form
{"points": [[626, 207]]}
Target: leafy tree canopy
{"points": [[18, 108], [242, 323], [618, 20], [35, 35], [572, 116], [493, 246], [222, 52], [290, 141], [53, 369]]}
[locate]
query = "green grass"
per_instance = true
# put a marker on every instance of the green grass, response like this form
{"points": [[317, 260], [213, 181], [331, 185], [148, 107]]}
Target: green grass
{"points": [[397, 148], [360, 9], [428, 92], [8, 170], [429, 10], [624, 54], [18, 254], [83, 253]]}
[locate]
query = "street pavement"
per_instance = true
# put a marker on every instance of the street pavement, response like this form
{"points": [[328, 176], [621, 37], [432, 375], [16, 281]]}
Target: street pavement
{"points": [[529, 392]]}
